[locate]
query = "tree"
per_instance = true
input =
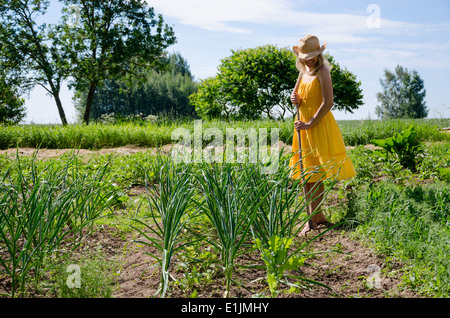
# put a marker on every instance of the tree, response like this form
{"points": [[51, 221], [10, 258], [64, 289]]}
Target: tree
{"points": [[111, 38], [210, 102], [347, 92], [258, 80], [31, 50], [12, 108], [403, 95], [255, 82], [163, 92]]}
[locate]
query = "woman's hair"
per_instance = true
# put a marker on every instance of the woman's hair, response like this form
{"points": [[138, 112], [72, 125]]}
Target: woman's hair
{"points": [[301, 65]]}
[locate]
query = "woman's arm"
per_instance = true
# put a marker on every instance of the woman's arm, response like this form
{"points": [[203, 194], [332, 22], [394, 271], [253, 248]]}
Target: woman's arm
{"points": [[327, 93], [295, 99]]}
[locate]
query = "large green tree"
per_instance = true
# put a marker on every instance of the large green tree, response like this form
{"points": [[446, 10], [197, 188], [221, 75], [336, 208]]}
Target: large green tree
{"points": [[12, 109], [30, 49], [109, 39], [258, 82], [155, 92], [403, 95]]}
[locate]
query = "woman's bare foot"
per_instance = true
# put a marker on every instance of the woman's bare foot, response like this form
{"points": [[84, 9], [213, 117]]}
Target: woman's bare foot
{"points": [[316, 221], [306, 229]]}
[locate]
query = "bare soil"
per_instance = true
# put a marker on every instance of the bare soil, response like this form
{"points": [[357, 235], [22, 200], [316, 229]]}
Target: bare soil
{"points": [[53, 153]]}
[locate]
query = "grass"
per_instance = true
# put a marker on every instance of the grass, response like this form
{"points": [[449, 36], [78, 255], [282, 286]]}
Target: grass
{"points": [[401, 214], [411, 224], [151, 134]]}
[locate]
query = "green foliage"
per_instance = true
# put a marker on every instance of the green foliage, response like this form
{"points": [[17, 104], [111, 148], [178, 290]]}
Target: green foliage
{"points": [[209, 100], [251, 83], [97, 277], [31, 51], [12, 109], [444, 174], [277, 260], [403, 95], [231, 205], [258, 82], [361, 132], [435, 162], [109, 39], [159, 93], [170, 202], [121, 37], [198, 267], [411, 224], [43, 209], [154, 132], [404, 145]]}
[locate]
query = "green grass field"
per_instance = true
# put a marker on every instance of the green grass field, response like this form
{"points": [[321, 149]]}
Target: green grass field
{"points": [[145, 134]]}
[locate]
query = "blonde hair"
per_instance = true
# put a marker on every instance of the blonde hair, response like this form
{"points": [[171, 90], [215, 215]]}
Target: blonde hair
{"points": [[322, 61]]}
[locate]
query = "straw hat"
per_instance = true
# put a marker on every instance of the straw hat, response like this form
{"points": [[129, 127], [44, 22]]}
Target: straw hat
{"points": [[309, 47]]}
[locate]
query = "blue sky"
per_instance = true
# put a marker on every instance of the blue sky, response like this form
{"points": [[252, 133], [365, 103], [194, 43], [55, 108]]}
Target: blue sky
{"points": [[364, 36]]}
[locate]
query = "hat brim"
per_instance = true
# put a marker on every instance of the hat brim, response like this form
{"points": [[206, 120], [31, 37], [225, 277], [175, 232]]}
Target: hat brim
{"points": [[309, 55]]}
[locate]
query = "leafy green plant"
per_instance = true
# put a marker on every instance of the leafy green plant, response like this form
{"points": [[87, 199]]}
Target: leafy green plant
{"points": [[198, 267], [170, 201], [230, 205], [404, 145], [282, 211], [444, 174], [277, 260], [409, 223]]}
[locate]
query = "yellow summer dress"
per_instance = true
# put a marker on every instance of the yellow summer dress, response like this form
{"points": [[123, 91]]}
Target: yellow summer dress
{"points": [[323, 148]]}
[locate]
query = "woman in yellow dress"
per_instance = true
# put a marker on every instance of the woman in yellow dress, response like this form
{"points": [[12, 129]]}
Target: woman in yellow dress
{"points": [[323, 149]]}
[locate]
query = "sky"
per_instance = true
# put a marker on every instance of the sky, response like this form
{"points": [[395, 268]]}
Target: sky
{"points": [[366, 37]]}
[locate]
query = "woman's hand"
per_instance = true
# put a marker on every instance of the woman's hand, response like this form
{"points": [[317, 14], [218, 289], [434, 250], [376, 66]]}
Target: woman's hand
{"points": [[295, 99], [299, 125]]}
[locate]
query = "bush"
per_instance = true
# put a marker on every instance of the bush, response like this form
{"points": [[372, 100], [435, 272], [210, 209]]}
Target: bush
{"points": [[405, 146]]}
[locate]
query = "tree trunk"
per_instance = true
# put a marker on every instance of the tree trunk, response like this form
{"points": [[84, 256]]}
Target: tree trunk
{"points": [[90, 99], [61, 112]]}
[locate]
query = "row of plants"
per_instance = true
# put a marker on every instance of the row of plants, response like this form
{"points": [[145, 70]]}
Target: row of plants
{"points": [[243, 211], [49, 208], [47, 213], [411, 223], [156, 132]]}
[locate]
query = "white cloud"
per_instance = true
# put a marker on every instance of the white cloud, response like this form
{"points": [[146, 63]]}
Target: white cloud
{"points": [[348, 34], [217, 15], [224, 15]]}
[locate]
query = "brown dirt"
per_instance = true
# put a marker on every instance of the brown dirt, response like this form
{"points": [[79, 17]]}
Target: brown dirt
{"points": [[52, 153]]}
